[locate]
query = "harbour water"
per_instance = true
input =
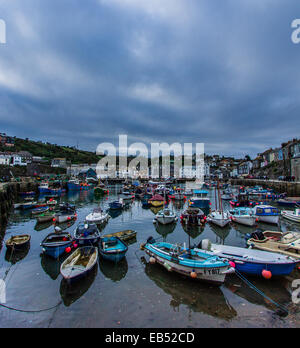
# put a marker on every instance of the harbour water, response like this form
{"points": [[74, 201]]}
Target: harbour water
{"points": [[134, 293]]}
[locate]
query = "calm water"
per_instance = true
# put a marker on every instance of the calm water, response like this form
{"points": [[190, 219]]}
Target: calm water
{"points": [[133, 293]]}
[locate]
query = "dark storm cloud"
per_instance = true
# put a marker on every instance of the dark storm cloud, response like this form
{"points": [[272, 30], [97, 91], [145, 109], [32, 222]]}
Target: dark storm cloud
{"points": [[223, 73]]}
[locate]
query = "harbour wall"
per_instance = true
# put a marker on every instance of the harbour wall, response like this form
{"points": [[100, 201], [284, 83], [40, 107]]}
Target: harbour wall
{"points": [[9, 192], [291, 188]]}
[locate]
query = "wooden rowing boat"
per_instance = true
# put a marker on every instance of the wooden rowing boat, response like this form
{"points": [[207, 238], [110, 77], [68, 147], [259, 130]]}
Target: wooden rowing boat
{"points": [[79, 264], [18, 242], [123, 235], [287, 243]]}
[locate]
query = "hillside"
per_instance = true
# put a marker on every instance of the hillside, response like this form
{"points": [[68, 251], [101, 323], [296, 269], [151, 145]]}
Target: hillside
{"points": [[49, 151]]}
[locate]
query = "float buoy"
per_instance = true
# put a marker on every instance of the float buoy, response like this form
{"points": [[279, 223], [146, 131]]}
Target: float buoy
{"points": [[266, 274]]}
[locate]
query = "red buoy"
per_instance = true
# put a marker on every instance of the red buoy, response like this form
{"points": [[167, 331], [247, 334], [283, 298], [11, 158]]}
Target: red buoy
{"points": [[68, 250], [267, 274]]}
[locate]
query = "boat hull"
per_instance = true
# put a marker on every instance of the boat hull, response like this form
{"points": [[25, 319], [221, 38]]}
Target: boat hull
{"points": [[290, 216]]}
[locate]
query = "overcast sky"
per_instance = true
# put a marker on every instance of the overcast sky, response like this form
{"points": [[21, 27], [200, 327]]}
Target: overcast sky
{"points": [[222, 72]]}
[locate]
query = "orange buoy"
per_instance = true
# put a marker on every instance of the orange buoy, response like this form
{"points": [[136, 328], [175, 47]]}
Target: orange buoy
{"points": [[193, 275], [266, 274], [152, 260]]}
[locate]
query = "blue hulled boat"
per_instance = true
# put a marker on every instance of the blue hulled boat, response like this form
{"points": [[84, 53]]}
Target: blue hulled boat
{"points": [[55, 245], [200, 199], [74, 185], [196, 264], [87, 234], [112, 249], [117, 204], [253, 262]]}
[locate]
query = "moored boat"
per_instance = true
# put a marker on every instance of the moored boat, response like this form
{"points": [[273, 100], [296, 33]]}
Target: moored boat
{"points": [[199, 265], [287, 243], [243, 216], [123, 235], [97, 217], [45, 217], [79, 264], [87, 234], [40, 210], [200, 199], [55, 244], [193, 216], [156, 201], [19, 242], [116, 205], [253, 262], [61, 218], [291, 215], [112, 249], [166, 216], [266, 213], [219, 218]]}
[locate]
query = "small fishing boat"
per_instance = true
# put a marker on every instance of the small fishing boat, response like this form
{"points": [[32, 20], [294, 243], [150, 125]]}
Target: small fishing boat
{"points": [[289, 202], [61, 218], [27, 194], [19, 242], [287, 243], [227, 195], [200, 199], [123, 235], [156, 201], [267, 213], [219, 218], [112, 249], [193, 216], [166, 216], [97, 217], [243, 216], [45, 217], [79, 264], [73, 185], [44, 188], [25, 206], [253, 262], [291, 215], [40, 210], [200, 265], [100, 190], [179, 195], [55, 244], [67, 208], [51, 202], [87, 234], [116, 205], [243, 201]]}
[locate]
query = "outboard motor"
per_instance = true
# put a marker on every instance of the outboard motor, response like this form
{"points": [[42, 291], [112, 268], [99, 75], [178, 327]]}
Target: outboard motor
{"points": [[258, 235], [151, 240], [205, 244]]}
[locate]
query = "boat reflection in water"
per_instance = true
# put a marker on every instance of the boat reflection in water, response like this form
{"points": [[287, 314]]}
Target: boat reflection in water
{"points": [[16, 256], [221, 233], [51, 266], [72, 293], [155, 210], [113, 271], [42, 226], [196, 296], [193, 231], [115, 213], [278, 291], [164, 230]]}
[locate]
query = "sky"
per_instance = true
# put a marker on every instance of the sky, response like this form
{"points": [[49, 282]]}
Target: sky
{"points": [[220, 72]]}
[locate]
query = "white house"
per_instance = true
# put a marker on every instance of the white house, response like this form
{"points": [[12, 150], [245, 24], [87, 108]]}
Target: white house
{"points": [[4, 159]]}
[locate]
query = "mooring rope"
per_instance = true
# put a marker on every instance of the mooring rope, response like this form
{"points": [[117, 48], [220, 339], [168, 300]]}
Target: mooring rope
{"points": [[31, 311], [252, 286]]}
